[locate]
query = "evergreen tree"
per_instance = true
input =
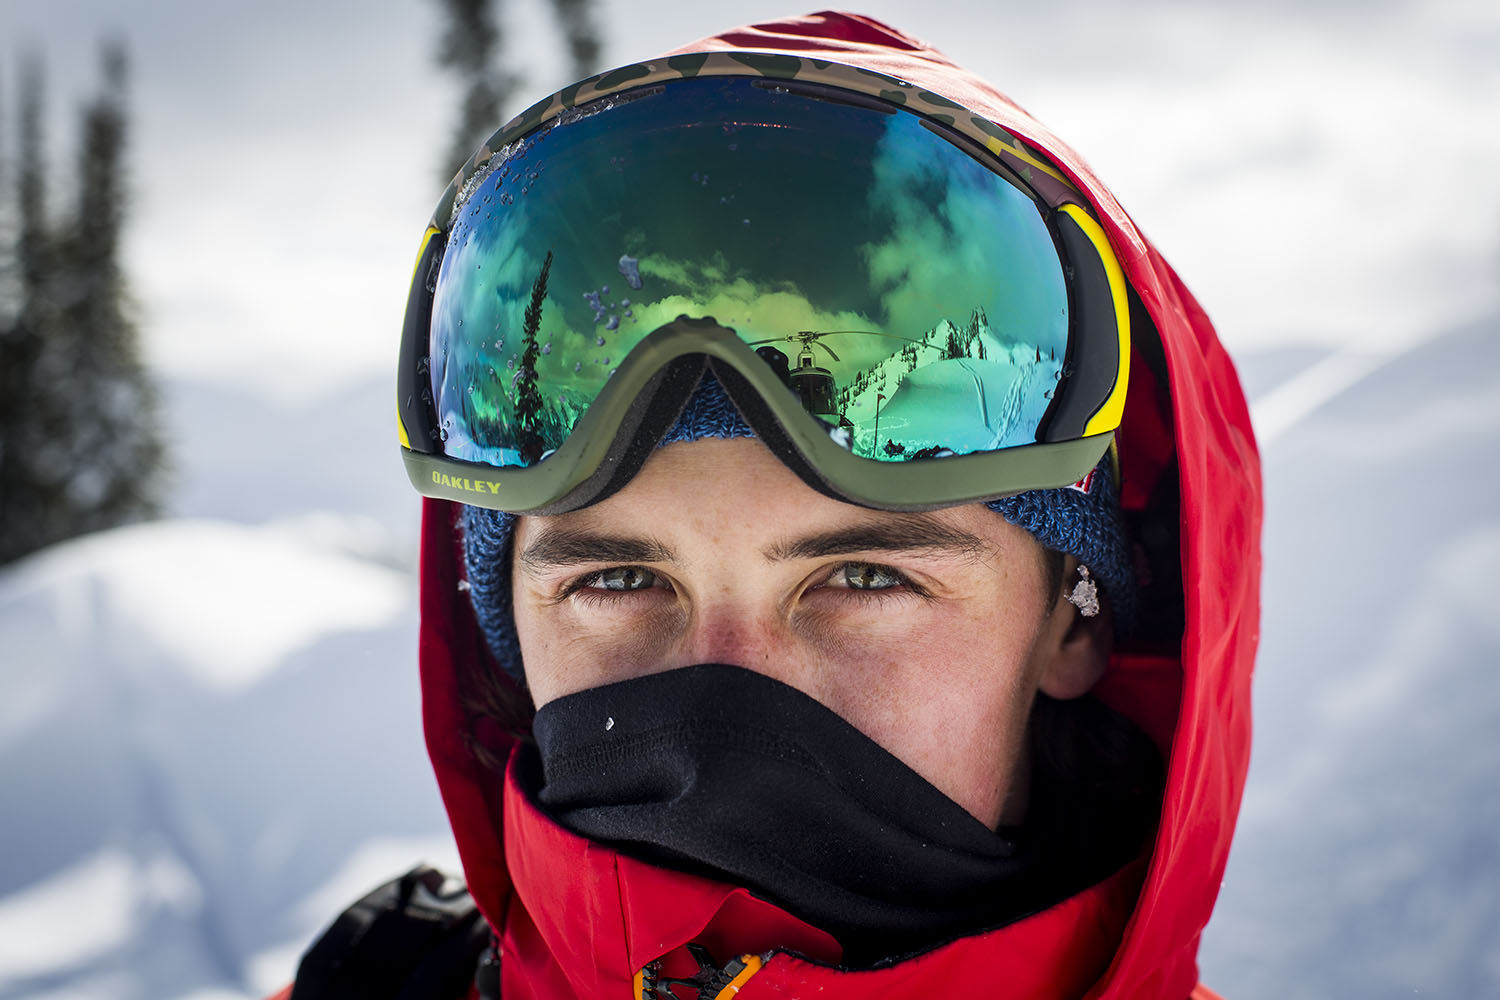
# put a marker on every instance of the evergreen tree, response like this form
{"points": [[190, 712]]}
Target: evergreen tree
{"points": [[528, 399], [79, 445], [117, 449], [31, 500], [470, 45], [978, 322], [951, 347], [576, 17]]}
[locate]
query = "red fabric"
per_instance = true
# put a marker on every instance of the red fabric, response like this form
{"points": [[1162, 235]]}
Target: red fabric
{"points": [[579, 920]]}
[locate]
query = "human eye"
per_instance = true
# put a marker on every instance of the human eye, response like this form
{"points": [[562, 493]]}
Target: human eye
{"points": [[621, 578], [868, 577], [616, 582]]}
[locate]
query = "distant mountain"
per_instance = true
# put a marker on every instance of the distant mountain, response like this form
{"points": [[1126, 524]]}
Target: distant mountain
{"points": [[953, 368]]}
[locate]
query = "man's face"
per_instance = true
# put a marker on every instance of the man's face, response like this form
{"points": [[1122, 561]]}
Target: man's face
{"points": [[930, 633]]}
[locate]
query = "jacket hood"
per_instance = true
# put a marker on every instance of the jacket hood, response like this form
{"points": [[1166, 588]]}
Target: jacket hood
{"points": [[1187, 453]]}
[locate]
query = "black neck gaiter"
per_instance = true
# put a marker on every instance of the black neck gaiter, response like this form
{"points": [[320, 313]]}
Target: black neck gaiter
{"points": [[725, 772]]}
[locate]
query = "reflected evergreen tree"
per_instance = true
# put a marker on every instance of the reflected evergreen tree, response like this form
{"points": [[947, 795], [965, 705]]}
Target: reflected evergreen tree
{"points": [[80, 448], [528, 399]]}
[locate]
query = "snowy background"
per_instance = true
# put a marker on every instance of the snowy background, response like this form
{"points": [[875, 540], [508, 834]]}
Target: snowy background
{"points": [[189, 788]]}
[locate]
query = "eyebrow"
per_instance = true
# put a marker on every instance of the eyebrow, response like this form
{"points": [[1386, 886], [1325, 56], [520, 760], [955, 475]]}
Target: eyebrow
{"points": [[558, 547], [903, 534]]}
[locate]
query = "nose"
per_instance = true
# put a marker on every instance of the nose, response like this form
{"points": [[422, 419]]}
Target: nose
{"points": [[732, 635], [756, 640]]}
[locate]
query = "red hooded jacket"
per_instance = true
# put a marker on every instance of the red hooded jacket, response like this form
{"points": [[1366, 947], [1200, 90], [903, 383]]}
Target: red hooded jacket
{"points": [[577, 919]]}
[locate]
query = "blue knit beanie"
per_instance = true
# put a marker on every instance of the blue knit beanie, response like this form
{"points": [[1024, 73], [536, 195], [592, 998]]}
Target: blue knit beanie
{"points": [[1086, 524]]}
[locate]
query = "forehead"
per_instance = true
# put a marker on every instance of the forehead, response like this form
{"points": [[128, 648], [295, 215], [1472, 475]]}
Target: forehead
{"points": [[735, 493]]}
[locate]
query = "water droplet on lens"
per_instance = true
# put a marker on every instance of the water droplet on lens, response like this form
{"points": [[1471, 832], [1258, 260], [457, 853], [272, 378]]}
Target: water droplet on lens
{"points": [[630, 267]]}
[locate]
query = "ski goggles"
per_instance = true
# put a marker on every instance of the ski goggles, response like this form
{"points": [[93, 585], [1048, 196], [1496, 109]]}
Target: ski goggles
{"points": [[906, 303]]}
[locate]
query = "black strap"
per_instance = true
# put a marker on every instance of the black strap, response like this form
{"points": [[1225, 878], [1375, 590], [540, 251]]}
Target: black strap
{"points": [[418, 937]]}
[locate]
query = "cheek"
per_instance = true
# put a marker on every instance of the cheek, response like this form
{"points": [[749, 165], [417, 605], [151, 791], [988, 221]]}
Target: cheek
{"points": [[567, 649], [950, 698]]}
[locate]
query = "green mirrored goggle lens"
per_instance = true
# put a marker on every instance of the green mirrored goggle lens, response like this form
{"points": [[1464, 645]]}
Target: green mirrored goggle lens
{"points": [[904, 292]]}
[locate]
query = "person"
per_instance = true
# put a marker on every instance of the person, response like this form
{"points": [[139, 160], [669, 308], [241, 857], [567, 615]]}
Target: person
{"points": [[840, 558]]}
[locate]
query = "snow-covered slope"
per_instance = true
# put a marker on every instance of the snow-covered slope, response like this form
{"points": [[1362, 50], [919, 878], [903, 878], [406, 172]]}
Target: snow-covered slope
{"points": [[189, 783], [1366, 862], [912, 394]]}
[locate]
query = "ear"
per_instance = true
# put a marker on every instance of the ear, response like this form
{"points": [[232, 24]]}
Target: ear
{"points": [[1078, 647]]}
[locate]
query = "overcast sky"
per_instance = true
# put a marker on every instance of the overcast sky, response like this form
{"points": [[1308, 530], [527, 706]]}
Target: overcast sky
{"points": [[1326, 172]]}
